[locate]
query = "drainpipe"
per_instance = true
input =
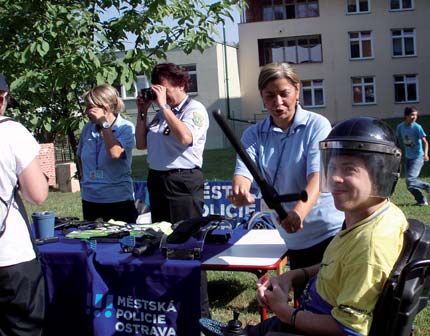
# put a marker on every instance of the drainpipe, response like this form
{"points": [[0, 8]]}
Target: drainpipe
{"points": [[229, 117]]}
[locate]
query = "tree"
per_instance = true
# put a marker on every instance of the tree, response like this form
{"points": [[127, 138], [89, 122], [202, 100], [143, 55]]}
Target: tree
{"points": [[53, 51]]}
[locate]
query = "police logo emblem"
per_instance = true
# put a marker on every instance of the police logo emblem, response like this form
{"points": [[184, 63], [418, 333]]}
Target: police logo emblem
{"points": [[198, 119]]}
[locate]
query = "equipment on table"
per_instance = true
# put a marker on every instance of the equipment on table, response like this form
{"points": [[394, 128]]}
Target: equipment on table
{"points": [[188, 236]]}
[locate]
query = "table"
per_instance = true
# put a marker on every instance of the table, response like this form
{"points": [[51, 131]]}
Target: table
{"points": [[105, 292], [258, 251]]}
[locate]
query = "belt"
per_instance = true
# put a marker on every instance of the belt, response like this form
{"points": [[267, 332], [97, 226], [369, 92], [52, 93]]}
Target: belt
{"points": [[175, 171]]}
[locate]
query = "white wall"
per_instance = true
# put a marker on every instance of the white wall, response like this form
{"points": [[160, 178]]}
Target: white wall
{"points": [[336, 69]]}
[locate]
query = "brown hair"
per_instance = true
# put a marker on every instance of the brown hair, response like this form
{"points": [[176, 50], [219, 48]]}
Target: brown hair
{"points": [[176, 75], [409, 109]]}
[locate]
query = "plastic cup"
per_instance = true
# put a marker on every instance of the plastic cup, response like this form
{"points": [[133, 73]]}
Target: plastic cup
{"points": [[44, 223]]}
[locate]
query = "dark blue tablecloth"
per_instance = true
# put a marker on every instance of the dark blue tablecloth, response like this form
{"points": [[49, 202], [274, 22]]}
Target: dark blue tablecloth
{"points": [[105, 292]]}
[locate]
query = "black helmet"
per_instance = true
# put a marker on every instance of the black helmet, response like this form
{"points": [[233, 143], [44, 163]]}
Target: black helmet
{"points": [[372, 140]]}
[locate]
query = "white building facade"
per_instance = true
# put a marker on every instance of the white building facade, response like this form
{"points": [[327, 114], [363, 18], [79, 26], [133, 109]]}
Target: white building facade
{"points": [[354, 57]]}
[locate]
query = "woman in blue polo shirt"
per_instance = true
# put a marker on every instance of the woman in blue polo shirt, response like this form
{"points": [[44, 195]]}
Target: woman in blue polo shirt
{"points": [[105, 151], [285, 148]]}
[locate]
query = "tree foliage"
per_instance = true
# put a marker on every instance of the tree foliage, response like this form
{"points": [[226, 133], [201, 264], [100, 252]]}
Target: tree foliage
{"points": [[53, 51]]}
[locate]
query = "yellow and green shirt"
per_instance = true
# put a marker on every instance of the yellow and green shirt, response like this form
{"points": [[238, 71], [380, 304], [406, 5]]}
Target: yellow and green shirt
{"points": [[355, 267]]}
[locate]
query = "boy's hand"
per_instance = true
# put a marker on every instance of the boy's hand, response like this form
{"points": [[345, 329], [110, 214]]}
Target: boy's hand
{"points": [[283, 281], [263, 286], [277, 299]]}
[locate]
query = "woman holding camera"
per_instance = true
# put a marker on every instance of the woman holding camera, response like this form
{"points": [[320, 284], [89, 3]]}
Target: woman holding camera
{"points": [[175, 140], [105, 151]]}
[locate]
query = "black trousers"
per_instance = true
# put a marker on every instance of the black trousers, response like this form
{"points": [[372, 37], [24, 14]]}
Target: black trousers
{"points": [[122, 211], [305, 258], [176, 194], [22, 299]]}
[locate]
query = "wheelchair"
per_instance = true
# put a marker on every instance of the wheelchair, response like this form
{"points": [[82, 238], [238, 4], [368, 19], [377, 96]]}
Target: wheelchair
{"points": [[404, 295], [407, 289]]}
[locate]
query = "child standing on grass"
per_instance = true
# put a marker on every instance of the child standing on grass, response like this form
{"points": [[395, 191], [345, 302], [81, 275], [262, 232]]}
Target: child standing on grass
{"points": [[412, 137]]}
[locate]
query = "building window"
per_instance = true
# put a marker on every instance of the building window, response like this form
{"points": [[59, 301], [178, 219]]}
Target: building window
{"points": [[140, 83], [289, 9], [401, 4], [363, 90], [361, 45], [192, 72], [357, 6], [303, 49], [403, 42], [313, 93], [405, 88], [143, 82]]}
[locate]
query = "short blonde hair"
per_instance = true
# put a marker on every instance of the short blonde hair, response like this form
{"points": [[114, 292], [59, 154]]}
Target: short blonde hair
{"points": [[273, 71], [104, 95]]}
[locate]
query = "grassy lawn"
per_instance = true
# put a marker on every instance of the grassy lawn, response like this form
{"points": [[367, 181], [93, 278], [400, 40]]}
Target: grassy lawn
{"points": [[219, 164]]}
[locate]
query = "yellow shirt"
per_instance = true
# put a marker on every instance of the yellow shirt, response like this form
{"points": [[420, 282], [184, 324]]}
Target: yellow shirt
{"points": [[357, 263]]}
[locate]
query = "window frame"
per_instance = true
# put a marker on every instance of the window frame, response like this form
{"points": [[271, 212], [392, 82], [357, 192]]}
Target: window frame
{"points": [[192, 72], [404, 83], [282, 4], [357, 5], [266, 56], [313, 87], [360, 40], [401, 8], [403, 38], [362, 85]]}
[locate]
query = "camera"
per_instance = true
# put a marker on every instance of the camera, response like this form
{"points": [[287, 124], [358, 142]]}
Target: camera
{"points": [[148, 94]]}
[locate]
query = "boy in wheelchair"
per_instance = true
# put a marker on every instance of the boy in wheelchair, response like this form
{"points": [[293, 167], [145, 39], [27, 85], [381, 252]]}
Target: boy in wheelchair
{"points": [[360, 167]]}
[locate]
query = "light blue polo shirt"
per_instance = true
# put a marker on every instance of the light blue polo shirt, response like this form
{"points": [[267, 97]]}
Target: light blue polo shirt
{"points": [[164, 150], [105, 180], [411, 137], [285, 159]]}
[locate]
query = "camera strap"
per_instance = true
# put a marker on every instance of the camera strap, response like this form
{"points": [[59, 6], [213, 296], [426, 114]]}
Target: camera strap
{"points": [[177, 112], [157, 118]]}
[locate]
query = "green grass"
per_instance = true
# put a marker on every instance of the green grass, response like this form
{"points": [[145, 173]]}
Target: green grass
{"points": [[230, 291], [218, 164]]}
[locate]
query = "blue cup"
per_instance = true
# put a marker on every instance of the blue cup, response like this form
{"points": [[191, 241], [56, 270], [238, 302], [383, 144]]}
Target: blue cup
{"points": [[43, 223]]}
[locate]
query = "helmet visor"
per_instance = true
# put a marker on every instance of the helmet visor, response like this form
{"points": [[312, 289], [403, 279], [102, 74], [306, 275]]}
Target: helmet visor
{"points": [[338, 164]]}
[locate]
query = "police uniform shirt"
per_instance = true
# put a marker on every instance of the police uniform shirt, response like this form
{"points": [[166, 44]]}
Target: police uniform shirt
{"points": [[164, 150], [106, 180], [286, 159]]}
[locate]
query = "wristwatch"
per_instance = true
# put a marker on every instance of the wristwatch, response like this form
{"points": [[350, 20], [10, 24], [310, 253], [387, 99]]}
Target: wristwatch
{"points": [[165, 107], [105, 124]]}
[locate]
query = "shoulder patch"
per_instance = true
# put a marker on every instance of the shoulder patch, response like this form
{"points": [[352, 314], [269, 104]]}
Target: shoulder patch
{"points": [[198, 119]]}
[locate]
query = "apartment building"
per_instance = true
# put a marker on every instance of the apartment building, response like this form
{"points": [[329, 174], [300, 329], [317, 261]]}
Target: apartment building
{"points": [[354, 57], [214, 82]]}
